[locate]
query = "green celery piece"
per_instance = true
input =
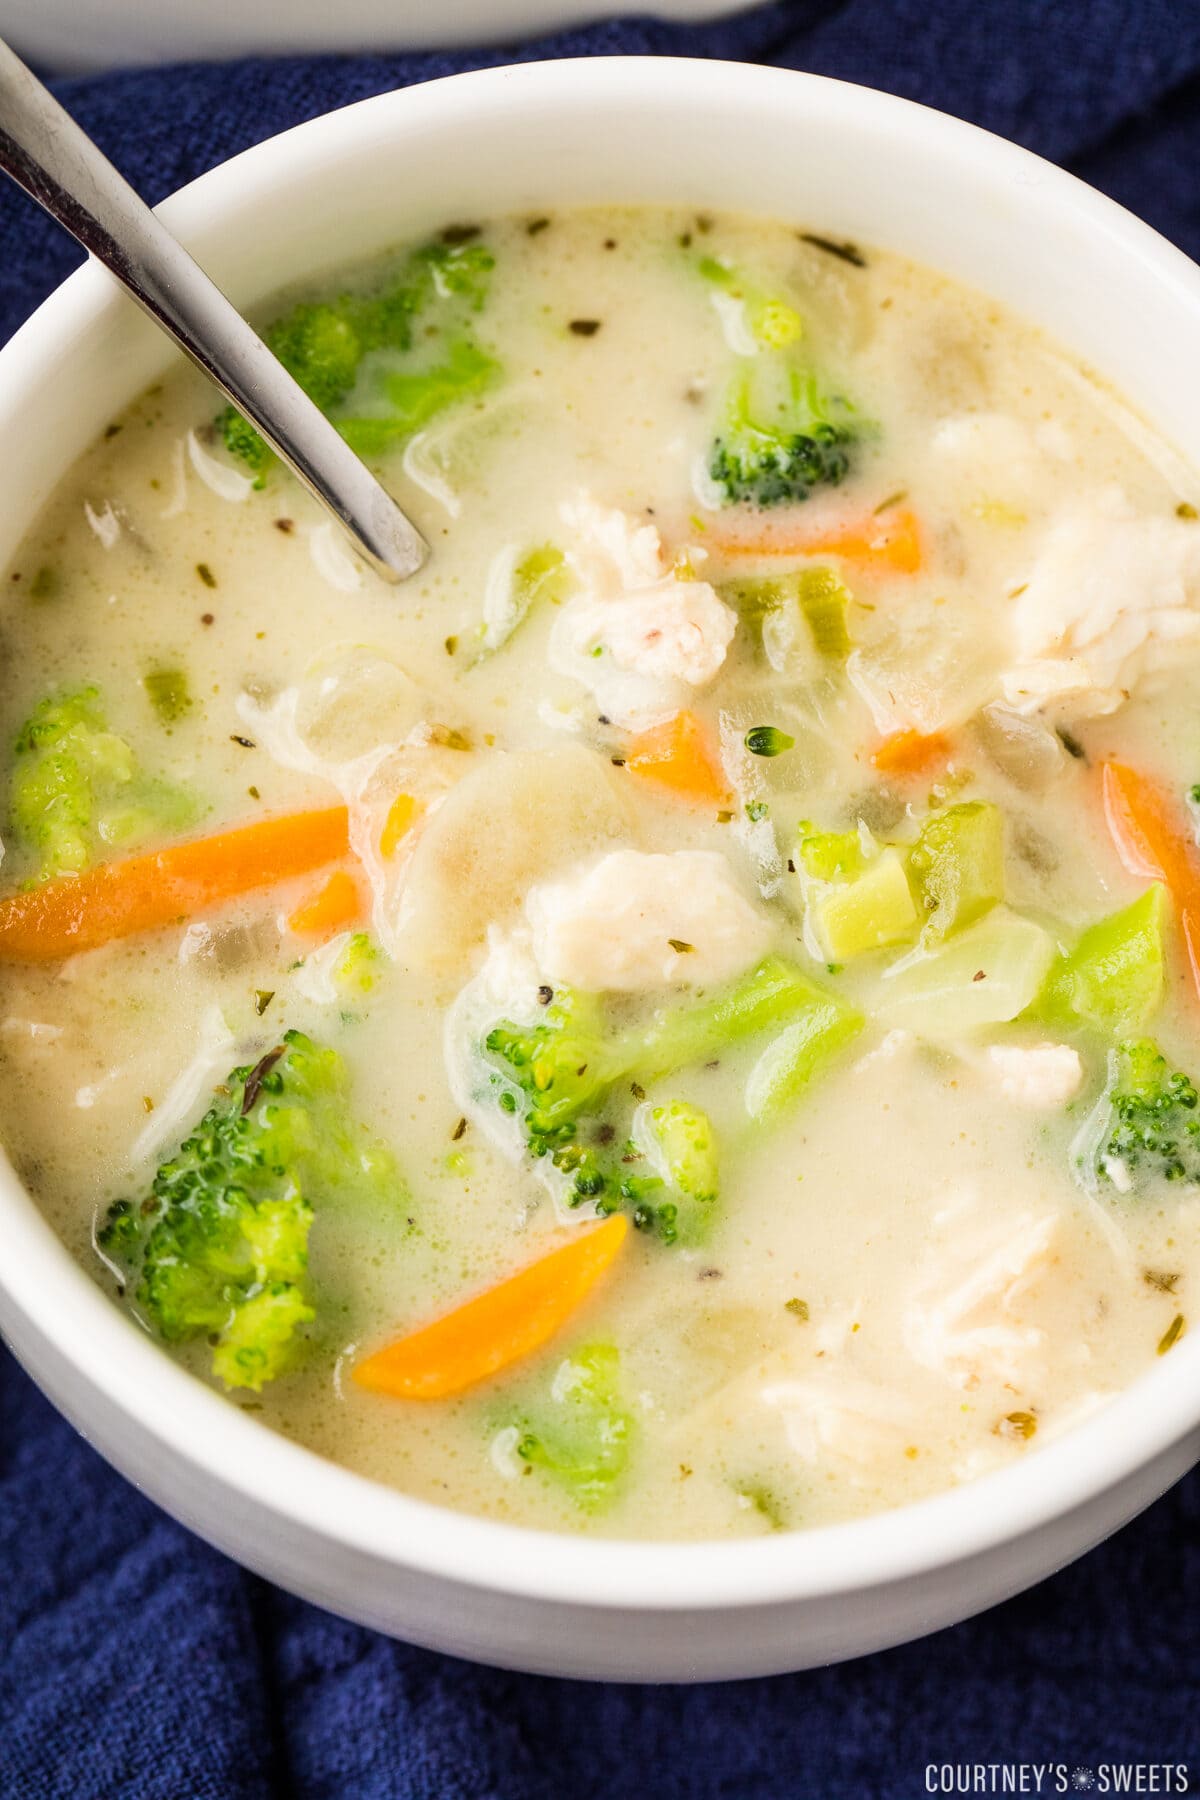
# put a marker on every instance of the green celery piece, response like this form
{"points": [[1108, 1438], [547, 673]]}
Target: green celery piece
{"points": [[801, 1052], [831, 855], [824, 600], [818, 594], [985, 975], [583, 1433], [416, 398], [1114, 977], [870, 911], [542, 574], [773, 994], [958, 862]]}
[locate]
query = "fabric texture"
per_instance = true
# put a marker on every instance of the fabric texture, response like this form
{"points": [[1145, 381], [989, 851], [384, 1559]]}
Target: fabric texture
{"points": [[135, 1662]]}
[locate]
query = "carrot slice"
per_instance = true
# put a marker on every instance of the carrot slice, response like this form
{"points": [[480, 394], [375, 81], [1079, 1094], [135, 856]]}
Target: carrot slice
{"points": [[335, 904], [143, 893], [677, 755], [498, 1327], [911, 752], [403, 814], [883, 541], [1153, 842]]}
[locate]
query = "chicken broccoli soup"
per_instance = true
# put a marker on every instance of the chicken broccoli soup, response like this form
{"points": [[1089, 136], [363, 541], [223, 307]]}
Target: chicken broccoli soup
{"points": [[681, 1019]]}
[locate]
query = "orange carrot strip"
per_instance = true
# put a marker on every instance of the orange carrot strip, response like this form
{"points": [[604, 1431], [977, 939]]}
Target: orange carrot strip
{"points": [[143, 893], [1152, 841], [889, 540], [335, 904], [403, 814], [498, 1327], [677, 755], [911, 752]]}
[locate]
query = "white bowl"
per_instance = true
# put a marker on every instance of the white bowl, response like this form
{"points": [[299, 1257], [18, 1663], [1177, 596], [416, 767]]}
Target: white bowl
{"points": [[840, 160], [71, 36]]}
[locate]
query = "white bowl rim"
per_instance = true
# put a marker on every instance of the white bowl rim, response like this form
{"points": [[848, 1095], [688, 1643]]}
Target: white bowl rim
{"points": [[201, 1429]]}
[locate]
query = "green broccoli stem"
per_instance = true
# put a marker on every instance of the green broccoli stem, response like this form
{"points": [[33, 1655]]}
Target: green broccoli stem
{"points": [[802, 1050], [774, 994], [559, 1076]]}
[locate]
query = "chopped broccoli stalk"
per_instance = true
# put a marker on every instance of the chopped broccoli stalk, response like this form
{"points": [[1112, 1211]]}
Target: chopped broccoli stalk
{"points": [[356, 966], [984, 975], [1114, 977], [801, 1052], [872, 909], [322, 344], [773, 323], [766, 454], [771, 995], [76, 787], [561, 1068], [958, 863], [680, 1144], [831, 855], [582, 1435], [1145, 1128], [540, 575], [688, 1146], [557, 1076], [218, 1246]]}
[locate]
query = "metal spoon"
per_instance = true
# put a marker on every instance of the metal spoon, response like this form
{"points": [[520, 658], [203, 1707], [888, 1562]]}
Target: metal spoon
{"points": [[47, 154]]}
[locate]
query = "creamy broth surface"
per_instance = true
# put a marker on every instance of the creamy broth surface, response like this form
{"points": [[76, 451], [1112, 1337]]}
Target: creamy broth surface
{"points": [[903, 1281]]}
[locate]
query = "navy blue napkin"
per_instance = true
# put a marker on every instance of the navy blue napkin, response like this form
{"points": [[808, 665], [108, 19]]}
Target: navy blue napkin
{"points": [[136, 1663]]}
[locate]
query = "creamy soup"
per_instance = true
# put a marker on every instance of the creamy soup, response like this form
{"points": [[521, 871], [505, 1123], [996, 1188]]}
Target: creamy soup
{"points": [[739, 894]]}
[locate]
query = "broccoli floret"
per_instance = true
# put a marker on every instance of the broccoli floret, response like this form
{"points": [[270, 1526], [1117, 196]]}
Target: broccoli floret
{"points": [[218, 1247], [558, 1076], [1144, 1129], [76, 787], [687, 1143], [461, 271], [582, 1439], [766, 456], [322, 345]]}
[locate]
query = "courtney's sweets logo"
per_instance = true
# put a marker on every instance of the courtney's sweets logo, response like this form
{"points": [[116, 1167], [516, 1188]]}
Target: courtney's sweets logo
{"points": [[1057, 1778]]}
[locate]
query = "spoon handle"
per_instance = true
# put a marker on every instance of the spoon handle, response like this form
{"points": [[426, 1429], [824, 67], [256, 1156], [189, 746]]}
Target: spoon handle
{"points": [[56, 163]]}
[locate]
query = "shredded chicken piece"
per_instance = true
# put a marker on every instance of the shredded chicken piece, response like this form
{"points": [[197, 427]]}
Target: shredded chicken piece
{"points": [[1112, 600], [833, 1414], [634, 921], [1039, 1075], [962, 1319], [635, 634]]}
